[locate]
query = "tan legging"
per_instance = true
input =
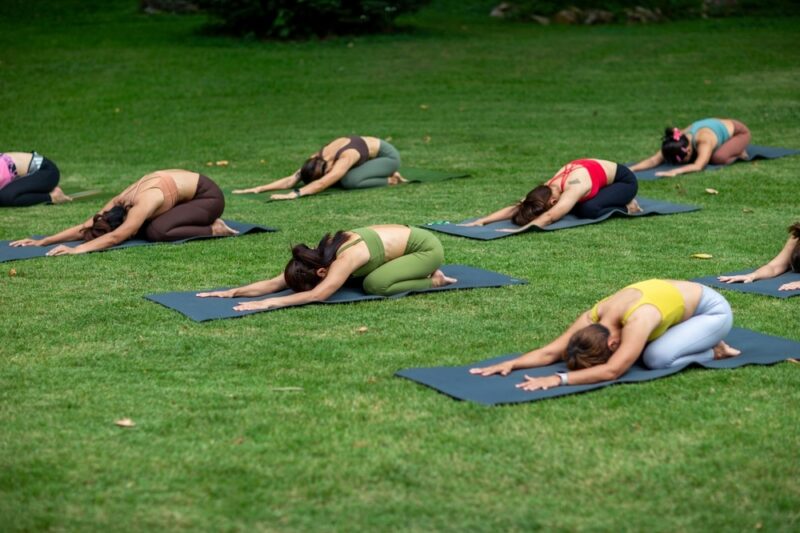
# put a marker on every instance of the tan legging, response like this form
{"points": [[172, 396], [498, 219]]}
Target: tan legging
{"points": [[732, 149]]}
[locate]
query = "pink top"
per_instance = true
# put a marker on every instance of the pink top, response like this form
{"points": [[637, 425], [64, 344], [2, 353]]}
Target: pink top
{"points": [[8, 170], [596, 173]]}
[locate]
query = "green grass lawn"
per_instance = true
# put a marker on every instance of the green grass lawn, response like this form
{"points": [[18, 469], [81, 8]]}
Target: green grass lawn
{"points": [[110, 94]]}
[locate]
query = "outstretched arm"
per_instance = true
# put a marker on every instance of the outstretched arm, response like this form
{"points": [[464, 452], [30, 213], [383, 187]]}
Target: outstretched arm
{"points": [[69, 234], [284, 183], [336, 173], [704, 150], [136, 217], [259, 288], [652, 161], [501, 214], [546, 355], [337, 275], [634, 339], [564, 205], [779, 264]]}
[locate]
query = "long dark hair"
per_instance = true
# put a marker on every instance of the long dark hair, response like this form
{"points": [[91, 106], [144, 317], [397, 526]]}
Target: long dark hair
{"points": [[534, 204], [301, 270], [313, 169], [794, 259], [675, 147], [105, 222], [588, 347]]}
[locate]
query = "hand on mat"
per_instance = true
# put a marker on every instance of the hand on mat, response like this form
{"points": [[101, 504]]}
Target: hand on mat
{"points": [[544, 383], [287, 196], [741, 278], [216, 294], [26, 242], [793, 286], [503, 369], [666, 173], [471, 224], [61, 250], [257, 305], [509, 230]]}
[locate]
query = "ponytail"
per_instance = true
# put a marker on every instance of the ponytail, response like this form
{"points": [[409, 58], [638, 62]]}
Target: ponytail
{"points": [[675, 147], [301, 270]]}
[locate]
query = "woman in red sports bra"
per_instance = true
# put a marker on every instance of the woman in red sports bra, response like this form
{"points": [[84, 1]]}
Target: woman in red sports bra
{"points": [[167, 205], [587, 188], [350, 162]]}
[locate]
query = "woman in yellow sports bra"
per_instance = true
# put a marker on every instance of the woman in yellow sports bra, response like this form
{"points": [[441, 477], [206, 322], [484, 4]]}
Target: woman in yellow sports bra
{"points": [[390, 258], [166, 205], [665, 322]]}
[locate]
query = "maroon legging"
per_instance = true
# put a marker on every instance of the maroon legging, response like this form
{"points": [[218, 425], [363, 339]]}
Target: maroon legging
{"points": [[733, 147], [189, 219]]}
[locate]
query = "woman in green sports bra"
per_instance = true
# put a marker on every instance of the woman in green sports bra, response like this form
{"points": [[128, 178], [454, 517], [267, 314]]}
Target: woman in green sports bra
{"points": [[391, 258], [665, 322]]}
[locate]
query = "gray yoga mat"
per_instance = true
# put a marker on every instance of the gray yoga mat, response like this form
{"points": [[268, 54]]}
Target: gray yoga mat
{"points": [[754, 151], [457, 382], [767, 287], [413, 175], [8, 253], [202, 309], [489, 231]]}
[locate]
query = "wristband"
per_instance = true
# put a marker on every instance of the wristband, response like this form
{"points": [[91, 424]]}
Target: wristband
{"points": [[563, 377], [297, 192]]}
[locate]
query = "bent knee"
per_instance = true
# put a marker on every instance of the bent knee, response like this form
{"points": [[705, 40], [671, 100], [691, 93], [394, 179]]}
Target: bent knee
{"points": [[657, 357], [376, 287], [156, 232]]}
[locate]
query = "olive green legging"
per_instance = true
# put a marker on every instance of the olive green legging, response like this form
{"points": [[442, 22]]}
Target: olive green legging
{"points": [[375, 172], [411, 271]]}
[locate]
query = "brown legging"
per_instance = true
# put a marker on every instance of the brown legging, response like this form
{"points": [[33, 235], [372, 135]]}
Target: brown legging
{"points": [[189, 219], [732, 149]]}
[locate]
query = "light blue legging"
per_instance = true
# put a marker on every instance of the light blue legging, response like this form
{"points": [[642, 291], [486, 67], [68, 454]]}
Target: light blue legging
{"points": [[375, 172], [694, 339]]}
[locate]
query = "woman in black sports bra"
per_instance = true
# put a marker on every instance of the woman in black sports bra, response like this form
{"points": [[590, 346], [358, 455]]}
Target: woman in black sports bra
{"points": [[352, 162]]}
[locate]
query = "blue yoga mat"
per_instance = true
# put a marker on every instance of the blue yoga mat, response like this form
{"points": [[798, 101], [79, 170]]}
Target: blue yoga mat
{"points": [[8, 253], [489, 231], [202, 309], [457, 382], [767, 287], [754, 151]]}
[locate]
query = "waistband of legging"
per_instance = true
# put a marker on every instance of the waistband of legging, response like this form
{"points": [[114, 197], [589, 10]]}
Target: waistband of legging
{"points": [[421, 239], [624, 174]]}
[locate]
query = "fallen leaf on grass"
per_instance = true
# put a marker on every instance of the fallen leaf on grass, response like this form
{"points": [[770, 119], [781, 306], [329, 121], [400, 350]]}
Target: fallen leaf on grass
{"points": [[263, 161], [221, 163], [238, 440], [210, 164], [712, 191], [362, 329], [747, 210], [426, 139], [286, 389], [12, 272], [125, 423], [702, 256], [424, 107]]}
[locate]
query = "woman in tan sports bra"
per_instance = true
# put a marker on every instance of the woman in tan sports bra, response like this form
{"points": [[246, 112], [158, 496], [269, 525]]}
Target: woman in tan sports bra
{"points": [[166, 205], [351, 162]]}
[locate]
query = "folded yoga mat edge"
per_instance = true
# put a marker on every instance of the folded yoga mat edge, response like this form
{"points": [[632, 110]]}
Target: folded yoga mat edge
{"points": [[456, 382]]}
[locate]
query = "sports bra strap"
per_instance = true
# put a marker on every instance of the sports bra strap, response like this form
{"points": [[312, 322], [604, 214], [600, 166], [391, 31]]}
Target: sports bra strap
{"points": [[345, 246]]}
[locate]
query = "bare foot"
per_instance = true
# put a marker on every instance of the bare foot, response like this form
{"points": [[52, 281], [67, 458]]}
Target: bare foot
{"points": [[744, 156], [397, 179], [723, 351], [633, 207], [219, 228], [440, 280], [57, 196]]}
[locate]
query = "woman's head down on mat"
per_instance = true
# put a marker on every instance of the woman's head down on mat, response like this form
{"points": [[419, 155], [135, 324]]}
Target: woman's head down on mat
{"points": [[590, 346], [536, 202], [308, 266], [313, 169], [676, 148], [106, 222]]}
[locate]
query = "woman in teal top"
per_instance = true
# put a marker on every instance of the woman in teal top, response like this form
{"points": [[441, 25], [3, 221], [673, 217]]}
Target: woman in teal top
{"points": [[391, 258], [719, 141]]}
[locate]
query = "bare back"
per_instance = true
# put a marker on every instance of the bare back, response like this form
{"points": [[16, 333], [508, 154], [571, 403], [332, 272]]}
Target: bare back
{"points": [[148, 189], [22, 160], [329, 151]]}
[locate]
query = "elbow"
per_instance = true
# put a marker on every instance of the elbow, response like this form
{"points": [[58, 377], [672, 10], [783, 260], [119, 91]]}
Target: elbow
{"points": [[611, 373]]}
